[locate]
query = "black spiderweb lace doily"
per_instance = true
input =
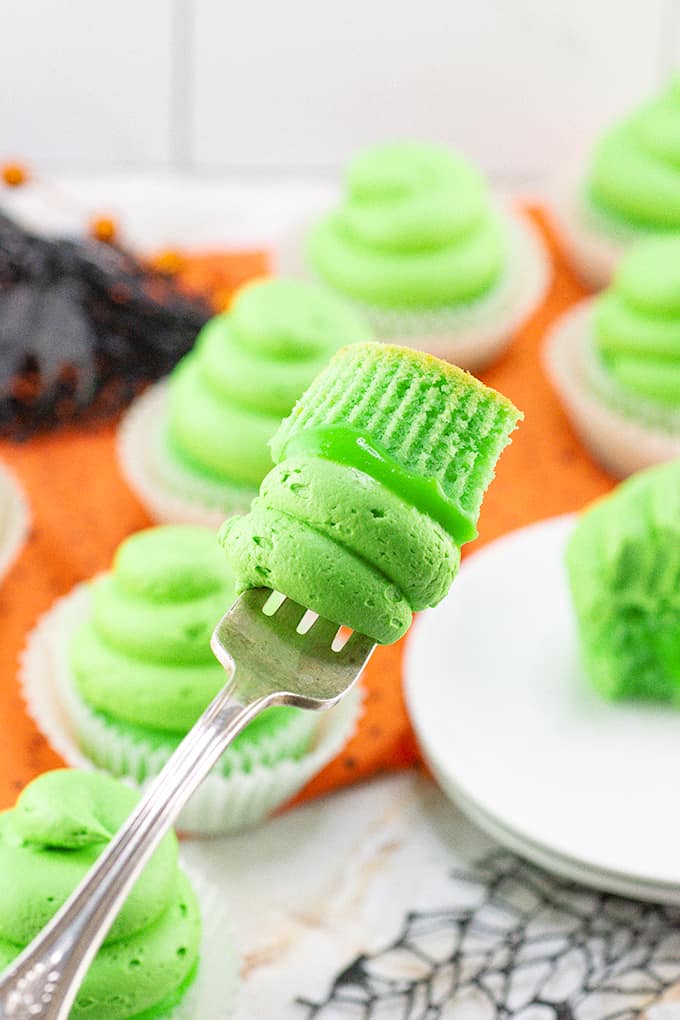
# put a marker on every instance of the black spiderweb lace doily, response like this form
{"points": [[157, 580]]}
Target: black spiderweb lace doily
{"points": [[83, 325], [514, 943]]}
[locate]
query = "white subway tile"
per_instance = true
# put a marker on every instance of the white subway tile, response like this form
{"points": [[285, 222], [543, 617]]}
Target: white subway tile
{"points": [[518, 84], [86, 84]]}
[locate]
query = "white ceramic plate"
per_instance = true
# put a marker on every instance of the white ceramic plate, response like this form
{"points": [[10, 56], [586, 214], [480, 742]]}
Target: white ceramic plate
{"points": [[517, 737]]}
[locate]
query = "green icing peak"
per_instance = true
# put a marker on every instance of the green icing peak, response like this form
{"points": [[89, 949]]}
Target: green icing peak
{"points": [[635, 169], [415, 228], [291, 320], [60, 825], [408, 196], [637, 323], [69, 810], [173, 563], [248, 367]]}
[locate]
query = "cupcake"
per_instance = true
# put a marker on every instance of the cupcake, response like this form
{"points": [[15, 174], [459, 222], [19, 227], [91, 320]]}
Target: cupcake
{"points": [[630, 189], [615, 361], [14, 518], [419, 247], [194, 447], [151, 963], [623, 562], [120, 670], [379, 474]]}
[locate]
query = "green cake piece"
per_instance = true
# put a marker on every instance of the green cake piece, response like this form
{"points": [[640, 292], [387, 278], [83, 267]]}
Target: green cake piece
{"points": [[59, 827], [380, 472], [623, 562], [248, 367], [636, 332]]}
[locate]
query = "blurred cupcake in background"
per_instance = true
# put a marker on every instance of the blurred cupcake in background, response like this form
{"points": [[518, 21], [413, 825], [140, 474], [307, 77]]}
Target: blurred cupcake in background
{"points": [[14, 520], [420, 248], [623, 563], [629, 190], [615, 361], [117, 672], [194, 447]]}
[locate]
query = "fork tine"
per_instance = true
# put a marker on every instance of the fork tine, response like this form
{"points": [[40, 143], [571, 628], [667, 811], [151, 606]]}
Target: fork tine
{"points": [[358, 648], [320, 635], [254, 598], [289, 614]]}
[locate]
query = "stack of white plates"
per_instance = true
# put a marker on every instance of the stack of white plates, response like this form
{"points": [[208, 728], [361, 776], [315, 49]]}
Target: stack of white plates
{"points": [[516, 736]]}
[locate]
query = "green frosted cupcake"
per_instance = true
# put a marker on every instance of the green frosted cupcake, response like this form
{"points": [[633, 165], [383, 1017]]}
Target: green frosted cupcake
{"points": [[630, 189], [418, 246], [380, 472], [624, 569], [151, 956], [195, 447], [130, 654], [616, 361]]}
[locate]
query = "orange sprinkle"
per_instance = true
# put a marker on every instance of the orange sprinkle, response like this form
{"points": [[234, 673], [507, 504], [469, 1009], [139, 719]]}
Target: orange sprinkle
{"points": [[103, 228], [14, 174], [169, 261]]}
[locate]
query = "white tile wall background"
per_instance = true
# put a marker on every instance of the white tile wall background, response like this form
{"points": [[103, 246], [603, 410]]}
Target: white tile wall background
{"points": [[266, 86]]}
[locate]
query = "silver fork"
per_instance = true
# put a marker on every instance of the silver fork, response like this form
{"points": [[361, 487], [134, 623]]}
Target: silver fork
{"points": [[269, 662]]}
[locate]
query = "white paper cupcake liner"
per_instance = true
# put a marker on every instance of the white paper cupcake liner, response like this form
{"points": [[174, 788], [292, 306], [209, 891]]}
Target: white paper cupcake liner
{"points": [[171, 492], [224, 802], [593, 242], [212, 994], [14, 519], [621, 444], [469, 335]]}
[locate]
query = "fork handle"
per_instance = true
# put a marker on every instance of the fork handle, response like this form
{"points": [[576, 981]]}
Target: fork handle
{"points": [[43, 982]]}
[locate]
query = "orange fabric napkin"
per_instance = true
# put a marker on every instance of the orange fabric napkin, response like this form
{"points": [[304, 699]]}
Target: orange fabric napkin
{"points": [[81, 510]]}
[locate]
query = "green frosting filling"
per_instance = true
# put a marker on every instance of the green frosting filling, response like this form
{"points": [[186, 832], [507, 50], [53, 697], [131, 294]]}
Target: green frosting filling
{"points": [[635, 170], [247, 369], [59, 827], [623, 562], [415, 229], [637, 322], [349, 447], [380, 472], [142, 659]]}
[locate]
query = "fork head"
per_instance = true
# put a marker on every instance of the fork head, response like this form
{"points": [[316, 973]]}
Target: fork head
{"points": [[277, 655]]}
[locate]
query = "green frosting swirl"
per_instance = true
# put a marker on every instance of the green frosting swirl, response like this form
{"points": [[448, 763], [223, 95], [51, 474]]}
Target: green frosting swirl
{"points": [[635, 169], [636, 328], [415, 229], [246, 371], [142, 659], [59, 827], [332, 537]]}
